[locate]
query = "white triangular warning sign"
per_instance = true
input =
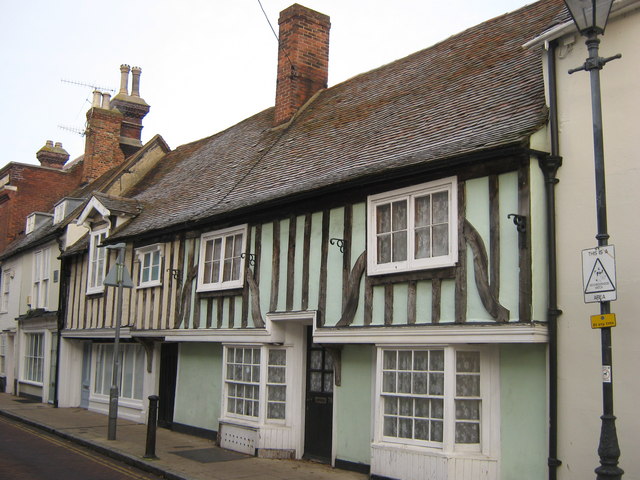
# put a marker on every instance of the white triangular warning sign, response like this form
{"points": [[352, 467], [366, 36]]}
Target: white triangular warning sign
{"points": [[599, 280], [112, 277]]}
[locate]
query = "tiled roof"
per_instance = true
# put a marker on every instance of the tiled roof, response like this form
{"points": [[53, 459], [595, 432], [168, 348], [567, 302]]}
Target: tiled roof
{"points": [[477, 90], [41, 234], [116, 205]]}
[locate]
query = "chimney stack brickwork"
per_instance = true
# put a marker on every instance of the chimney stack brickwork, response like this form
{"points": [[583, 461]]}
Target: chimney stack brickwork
{"points": [[102, 145], [303, 59], [113, 132]]}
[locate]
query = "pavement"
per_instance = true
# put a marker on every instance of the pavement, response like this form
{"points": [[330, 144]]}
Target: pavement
{"points": [[180, 456]]}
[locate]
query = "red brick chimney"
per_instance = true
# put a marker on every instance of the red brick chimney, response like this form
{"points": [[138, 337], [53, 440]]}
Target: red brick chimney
{"points": [[102, 146], [52, 156], [303, 59]]}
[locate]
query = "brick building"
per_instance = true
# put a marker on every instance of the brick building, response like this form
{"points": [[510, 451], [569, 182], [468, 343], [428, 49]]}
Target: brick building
{"points": [[113, 133]]}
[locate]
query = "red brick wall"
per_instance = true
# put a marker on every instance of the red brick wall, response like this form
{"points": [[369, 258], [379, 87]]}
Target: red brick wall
{"points": [[38, 189], [304, 43]]}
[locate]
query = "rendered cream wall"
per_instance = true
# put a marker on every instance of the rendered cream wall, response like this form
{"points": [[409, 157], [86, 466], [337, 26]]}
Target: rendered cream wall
{"points": [[579, 382]]}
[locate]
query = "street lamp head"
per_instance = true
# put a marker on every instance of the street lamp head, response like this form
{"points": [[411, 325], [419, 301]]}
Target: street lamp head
{"points": [[590, 16]]}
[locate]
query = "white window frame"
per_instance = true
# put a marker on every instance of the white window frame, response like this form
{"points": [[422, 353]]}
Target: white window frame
{"points": [[489, 403], [449, 185], [34, 351], [261, 381], [95, 281], [101, 377], [31, 224], [145, 253], [3, 354], [59, 211], [7, 277], [41, 277], [223, 235]]}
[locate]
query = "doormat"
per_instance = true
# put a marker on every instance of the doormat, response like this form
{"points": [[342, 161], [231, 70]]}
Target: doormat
{"points": [[211, 455]]}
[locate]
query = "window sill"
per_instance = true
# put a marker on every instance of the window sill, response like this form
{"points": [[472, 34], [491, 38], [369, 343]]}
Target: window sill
{"points": [[442, 273], [220, 286], [94, 293], [373, 269], [431, 451], [31, 382], [148, 285], [122, 402], [230, 292], [241, 422]]}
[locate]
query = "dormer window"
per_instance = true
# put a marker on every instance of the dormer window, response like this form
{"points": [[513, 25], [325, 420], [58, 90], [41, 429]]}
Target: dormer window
{"points": [[31, 224], [64, 207], [58, 214], [35, 220]]}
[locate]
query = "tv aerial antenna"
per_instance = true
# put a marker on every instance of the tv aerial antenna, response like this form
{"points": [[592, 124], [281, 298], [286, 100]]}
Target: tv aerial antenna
{"points": [[76, 130], [85, 84]]}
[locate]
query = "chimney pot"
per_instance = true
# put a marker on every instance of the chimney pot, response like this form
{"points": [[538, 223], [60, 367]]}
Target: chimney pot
{"points": [[106, 99], [97, 98], [52, 157], [135, 83], [124, 79]]}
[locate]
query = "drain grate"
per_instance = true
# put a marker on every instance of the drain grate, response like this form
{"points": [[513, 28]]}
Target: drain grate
{"points": [[210, 455]]}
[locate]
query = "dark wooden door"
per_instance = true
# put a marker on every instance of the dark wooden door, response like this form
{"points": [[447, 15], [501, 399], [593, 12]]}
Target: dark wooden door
{"points": [[167, 388], [319, 402]]}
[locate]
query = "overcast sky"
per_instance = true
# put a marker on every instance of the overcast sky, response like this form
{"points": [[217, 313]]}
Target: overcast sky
{"points": [[206, 64]]}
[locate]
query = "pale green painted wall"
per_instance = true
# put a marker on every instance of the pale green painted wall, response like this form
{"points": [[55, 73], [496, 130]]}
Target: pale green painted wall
{"points": [[509, 252], [359, 245], [198, 392], [333, 310], [353, 405], [477, 213], [266, 270], [523, 401], [539, 258]]}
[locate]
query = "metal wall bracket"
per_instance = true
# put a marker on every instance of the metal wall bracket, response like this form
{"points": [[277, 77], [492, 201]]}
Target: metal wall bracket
{"points": [[251, 257], [339, 242], [175, 273], [520, 221]]}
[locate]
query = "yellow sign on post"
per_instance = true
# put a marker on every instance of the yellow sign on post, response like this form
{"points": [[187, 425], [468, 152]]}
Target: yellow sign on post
{"points": [[603, 320]]}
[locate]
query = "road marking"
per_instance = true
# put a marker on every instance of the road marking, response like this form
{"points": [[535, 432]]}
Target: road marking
{"points": [[65, 444]]}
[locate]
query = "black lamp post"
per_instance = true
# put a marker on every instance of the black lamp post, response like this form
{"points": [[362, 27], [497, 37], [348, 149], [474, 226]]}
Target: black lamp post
{"points": [[590, 16]]}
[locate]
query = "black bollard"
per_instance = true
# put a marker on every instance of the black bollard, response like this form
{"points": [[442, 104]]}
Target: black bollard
{"points": [[151, 427]]}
